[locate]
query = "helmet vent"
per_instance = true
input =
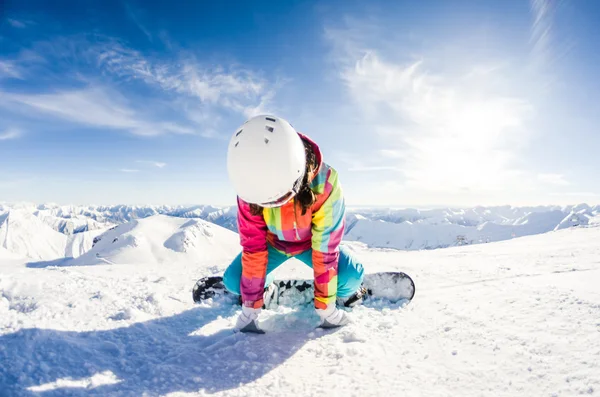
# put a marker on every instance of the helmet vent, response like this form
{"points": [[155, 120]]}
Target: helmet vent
{"points": [[266, 140], [271, 119], [239, 132], [236, 144], [269, 128]]}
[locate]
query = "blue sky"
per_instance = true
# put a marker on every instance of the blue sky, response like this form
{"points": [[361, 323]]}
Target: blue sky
{"points": [[415, 103]]}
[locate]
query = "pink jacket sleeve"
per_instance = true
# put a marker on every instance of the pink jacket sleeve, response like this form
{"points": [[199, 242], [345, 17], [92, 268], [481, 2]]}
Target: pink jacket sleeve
{"points": [[253, 238]]}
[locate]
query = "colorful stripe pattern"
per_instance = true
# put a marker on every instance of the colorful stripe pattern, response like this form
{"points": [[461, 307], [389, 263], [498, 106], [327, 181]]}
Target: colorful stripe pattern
{"points": [[290, 232]]}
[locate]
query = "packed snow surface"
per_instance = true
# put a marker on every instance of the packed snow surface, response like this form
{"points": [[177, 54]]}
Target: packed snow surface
{"points": [[512, 318]]}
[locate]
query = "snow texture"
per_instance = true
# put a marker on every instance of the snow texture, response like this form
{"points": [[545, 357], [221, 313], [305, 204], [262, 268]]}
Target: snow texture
{"points": [[512, 318]]}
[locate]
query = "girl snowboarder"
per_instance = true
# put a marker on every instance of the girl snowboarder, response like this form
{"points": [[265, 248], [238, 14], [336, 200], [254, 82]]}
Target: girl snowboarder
{"points": [[290, 204]]}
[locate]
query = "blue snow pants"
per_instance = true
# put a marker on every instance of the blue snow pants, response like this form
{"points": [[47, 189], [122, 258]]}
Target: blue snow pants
{"points": [[350, 271]]}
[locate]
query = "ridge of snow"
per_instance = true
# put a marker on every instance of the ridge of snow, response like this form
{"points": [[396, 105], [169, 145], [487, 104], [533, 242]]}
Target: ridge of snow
{"points": [[71, 224], [160, 239]]}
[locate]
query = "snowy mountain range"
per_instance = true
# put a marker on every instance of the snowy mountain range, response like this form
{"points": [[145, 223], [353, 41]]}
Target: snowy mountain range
{"points": [[48, 231]]}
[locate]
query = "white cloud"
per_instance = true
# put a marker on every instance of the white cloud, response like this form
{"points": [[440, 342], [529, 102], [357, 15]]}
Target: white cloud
{"points": [[8, 69], [365, 163], [11, 133], [577, 194], [547, 46], [553, 179], [394, 154], [17, 24], [373, 168], [445, 133], [236, 89], [129, 170], [97, 107], [459, 131], [541, 29], [157, 164], [133, 16], [186, 97]]}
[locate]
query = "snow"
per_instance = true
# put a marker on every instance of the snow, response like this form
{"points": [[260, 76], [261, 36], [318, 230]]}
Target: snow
{"points": [[416, 230], [6, 255], [71, 225], [512, 318], [413, 229], [80, 243], [160, 239], [26, 235]]}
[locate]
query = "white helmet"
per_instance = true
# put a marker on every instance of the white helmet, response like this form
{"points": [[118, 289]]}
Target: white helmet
{"points": [[266, 161]]}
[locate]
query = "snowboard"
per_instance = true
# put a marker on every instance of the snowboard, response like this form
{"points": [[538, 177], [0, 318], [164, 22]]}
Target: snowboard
{"points": [[390, 286]]}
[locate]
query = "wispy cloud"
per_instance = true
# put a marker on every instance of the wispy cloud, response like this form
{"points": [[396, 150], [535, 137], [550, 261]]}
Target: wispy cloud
{"points": [[445, 133], [9, 69], [365, 163], [157, 164], [136, 20], [237, 89], [582, 195], [97, 108], [19, 24], [547, 47], [11, 133], [185, 95], [541, 28], [129, 170], [553, 179], [11, 184], [374, 168], [393, 154]]}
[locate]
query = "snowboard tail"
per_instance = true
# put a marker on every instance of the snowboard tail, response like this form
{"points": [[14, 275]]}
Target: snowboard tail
{"points": [[391, 286]]}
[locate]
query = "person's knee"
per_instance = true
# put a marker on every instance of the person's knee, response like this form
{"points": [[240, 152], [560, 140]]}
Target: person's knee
{"points": [[351, 264], [350, 273], [353, 282], [231, 280]]}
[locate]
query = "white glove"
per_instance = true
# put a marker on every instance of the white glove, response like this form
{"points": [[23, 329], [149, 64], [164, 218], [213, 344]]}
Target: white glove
{"points": [[248, 320], [332, 317]]}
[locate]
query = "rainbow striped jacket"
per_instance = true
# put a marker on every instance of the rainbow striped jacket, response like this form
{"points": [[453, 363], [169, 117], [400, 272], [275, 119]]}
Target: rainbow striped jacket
{"points": [[290, 232]]}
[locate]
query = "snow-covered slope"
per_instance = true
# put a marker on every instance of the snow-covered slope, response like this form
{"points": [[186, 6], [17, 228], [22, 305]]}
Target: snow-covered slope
{"points": [[24, 234], [9, 257], [410, 230], [80, 243], [405, 235], [512, 318], [72, 225], [160, 239], [579, 215]]}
